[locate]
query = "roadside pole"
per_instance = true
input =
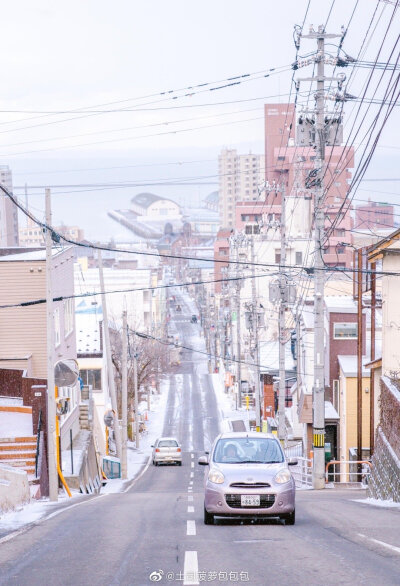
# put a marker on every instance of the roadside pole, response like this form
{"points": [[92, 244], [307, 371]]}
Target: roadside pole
{"points": [[110, 370], [283, 290], [257, 390], [124, 389], [51, 397], [135, 375], [319, 266]]}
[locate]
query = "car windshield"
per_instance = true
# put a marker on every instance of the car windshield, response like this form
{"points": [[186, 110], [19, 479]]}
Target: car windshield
{"points": [[167, 443], [248, 450]]}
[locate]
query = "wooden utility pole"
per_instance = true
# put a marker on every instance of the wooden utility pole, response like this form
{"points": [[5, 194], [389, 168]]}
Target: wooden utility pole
{"points": [[110, 369], [51, 397]]}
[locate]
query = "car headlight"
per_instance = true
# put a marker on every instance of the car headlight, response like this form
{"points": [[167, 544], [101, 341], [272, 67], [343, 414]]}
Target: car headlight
{"points": [[283, 476], [216, 476]]}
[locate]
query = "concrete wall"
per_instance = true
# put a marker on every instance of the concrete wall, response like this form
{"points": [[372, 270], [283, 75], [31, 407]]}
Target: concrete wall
{"points": [[391, 314], [14, 488]]}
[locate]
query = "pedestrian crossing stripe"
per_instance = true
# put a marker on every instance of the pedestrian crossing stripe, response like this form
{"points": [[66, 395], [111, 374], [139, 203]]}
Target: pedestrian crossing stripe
{"points": [[319, 440]]}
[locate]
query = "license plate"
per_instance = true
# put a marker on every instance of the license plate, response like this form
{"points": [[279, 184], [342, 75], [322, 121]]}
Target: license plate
{"points": [[250, 500]]}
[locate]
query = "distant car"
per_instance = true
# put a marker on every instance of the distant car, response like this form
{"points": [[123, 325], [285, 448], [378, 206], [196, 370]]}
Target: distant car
{"points": [[178, 308], [167, 450], [248, 477], [194, 319]]}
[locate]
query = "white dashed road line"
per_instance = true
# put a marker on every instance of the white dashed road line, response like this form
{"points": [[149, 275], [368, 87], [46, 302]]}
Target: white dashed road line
{"points": [[192, 464], [190, 527], [190, 510], [191, 569], [191, 474], [190, 497]]}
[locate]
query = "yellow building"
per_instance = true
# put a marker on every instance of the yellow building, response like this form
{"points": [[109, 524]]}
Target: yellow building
{"points": [[348, 411]]}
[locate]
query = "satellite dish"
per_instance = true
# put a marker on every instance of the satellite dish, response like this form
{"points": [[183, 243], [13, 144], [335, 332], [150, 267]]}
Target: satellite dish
{"points": [[66, 373]]}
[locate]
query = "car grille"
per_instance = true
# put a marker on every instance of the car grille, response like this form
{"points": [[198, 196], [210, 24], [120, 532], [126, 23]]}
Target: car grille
{"points": [[234, 501], [250, 485]]}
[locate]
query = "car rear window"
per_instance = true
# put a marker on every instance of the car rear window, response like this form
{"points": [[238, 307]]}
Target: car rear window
{"points": [[167, 444]]}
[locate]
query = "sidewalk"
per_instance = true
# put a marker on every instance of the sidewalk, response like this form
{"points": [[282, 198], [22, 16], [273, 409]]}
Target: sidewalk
{"points": [[20, 520]]}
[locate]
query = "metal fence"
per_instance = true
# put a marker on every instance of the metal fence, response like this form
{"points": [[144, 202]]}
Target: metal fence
{"points": [[302, 472]]}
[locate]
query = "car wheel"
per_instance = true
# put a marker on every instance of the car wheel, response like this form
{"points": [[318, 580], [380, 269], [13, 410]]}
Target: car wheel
{"points": [[179, 463], [208, 517], [155, 463], [290, 519]]}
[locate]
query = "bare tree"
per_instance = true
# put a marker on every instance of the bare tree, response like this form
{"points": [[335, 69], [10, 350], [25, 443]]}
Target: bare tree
{"points": [[152, 363]]}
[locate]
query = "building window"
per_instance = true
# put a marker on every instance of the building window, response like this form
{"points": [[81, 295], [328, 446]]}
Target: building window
{"points": [[248, 229], [281, 158], [336, 394], [299, 258], [91, 377], [277, 257], [345, 331], [57, 330], [68, 316], [256, 229]]}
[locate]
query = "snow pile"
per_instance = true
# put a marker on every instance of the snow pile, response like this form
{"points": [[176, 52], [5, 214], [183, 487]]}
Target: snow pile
{"points": [[15, 424], [378, 503]]}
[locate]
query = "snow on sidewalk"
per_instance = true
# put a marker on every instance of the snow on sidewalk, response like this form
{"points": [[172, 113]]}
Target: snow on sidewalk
{"points": [[138, 458], [226, 406], [35, 511]]}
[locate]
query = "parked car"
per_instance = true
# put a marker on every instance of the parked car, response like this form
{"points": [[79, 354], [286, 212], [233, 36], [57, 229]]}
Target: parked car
{"points": [[248, 476], [167, 450], [194, 319]]}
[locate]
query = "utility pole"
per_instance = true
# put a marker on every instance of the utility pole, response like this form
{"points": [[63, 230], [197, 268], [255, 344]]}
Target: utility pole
{"points": [[51, 389], [319, 276], [135, 382], [237, 241], [124, 389], [257, 390], [282, 321], [283, 297], [111, 380]]}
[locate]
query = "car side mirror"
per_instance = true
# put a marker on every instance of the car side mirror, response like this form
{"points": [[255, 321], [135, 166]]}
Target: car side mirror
{"points": [[203, 461], [207, 453], [292, 462]]}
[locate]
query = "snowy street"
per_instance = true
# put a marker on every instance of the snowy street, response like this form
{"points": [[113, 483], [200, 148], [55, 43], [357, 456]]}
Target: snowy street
{"points": [[114, 536]]}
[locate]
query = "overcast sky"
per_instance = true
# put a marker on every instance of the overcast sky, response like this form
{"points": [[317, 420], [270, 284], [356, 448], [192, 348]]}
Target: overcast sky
{"points": [[60, 56]]}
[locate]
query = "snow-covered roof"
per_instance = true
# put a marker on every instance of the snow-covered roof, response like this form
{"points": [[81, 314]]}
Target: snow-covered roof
{"points": [[348, 365], [269, 356], [330, 411], [340, 304], [33, 255]]}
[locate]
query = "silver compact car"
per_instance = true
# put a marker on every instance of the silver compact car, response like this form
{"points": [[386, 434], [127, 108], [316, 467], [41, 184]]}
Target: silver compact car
{"points": [[248, 476], [167, 450]]}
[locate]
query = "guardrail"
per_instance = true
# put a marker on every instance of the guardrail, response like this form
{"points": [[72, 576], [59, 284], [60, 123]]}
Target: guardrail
{"points": [[347, 471], [302, 472]]}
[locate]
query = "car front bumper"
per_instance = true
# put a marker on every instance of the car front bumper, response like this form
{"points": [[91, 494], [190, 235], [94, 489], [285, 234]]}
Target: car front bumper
{"points": [[215, 501]]}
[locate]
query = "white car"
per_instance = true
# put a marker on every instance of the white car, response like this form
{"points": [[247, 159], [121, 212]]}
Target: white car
{"points": [[167, 450]]}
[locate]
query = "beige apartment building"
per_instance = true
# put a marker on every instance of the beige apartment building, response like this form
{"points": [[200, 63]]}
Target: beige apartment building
{"points": [[23, 335], [239, 178], [33, 235], [8, 211]]}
